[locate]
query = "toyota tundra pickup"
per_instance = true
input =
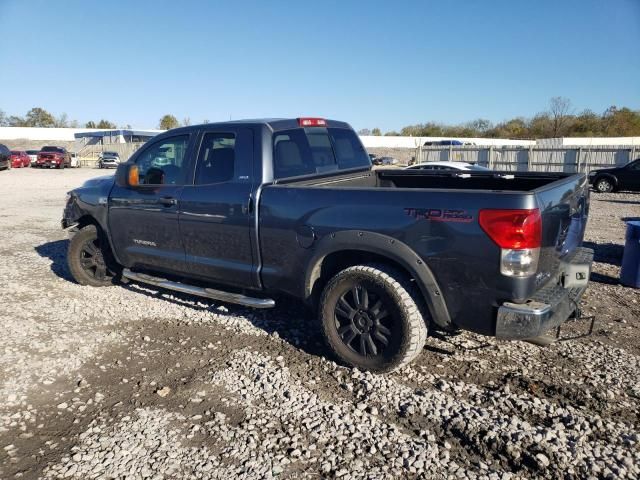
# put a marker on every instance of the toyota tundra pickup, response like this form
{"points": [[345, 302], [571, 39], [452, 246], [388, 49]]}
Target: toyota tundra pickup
{"points": [[247, 211]]}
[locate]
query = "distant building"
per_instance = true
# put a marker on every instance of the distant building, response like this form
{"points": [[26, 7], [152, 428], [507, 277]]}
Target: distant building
{"points": [[109, 137]]}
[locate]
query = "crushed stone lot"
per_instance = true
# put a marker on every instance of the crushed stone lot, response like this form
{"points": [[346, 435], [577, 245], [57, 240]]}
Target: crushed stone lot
{"points": [[132, 382]]}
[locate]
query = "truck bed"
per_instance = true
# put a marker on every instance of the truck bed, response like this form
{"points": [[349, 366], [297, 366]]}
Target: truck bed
{"points": [[433, 213], [395, 178]]}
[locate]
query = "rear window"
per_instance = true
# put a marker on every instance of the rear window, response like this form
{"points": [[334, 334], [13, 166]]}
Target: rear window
{"points": [[304, 151], [52, 149]]}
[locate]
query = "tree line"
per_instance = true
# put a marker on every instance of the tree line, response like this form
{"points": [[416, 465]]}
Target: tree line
{"points": [[39, 117], [560, 120]]}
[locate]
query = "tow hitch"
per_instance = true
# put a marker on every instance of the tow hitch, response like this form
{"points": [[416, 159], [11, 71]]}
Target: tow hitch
{"points": [[546, 340]]}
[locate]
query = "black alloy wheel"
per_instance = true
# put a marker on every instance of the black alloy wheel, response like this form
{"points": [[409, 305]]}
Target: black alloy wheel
{"points": [[370, 318]]}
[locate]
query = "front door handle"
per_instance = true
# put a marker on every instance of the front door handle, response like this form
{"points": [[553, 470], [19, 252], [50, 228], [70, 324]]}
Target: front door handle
{"points": [[168, 201], [247, 208]]}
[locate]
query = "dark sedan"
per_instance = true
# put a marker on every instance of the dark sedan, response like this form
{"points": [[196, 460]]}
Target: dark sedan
{"points": [[613, 179], [5, 158]]}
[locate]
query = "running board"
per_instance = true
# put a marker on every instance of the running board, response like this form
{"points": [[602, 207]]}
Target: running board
{"points": [[200, 292]]}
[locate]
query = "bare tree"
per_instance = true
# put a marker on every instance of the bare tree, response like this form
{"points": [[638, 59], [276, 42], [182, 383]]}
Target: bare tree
{"points": [[560, 109]]}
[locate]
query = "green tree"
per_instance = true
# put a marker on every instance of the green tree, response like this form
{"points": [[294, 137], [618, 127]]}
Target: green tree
{"points": [[541, 126], [90, 124], [621, 122], [15, 121], [168, 122], [38, 117], [106, 124], [376, 132], [587, 124]]}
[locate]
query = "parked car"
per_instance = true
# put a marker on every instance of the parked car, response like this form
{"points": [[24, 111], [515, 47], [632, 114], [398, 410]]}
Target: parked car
{"points": [[461, 166], [387, 161], [374, 159], [33, 156], [19, 159], [613, 179], [244, 211], [53, 157], [75, 160], [108, 160], [434, 143], [5, 157]]}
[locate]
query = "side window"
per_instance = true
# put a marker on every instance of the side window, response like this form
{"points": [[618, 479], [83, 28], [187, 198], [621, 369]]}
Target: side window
{"points": [[163, 163], [349, 151], [291, 154], [217, 159]]}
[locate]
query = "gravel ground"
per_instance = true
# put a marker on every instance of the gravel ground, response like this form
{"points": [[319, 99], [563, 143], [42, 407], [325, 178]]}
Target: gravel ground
{"points": [[130, 382]]}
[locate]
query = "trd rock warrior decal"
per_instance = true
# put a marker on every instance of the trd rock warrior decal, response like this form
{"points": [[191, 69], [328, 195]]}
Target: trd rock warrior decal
{"points": [[440, 214]]}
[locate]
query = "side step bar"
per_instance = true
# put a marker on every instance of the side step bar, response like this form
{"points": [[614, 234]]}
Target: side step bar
{"points": [[200, 292]]}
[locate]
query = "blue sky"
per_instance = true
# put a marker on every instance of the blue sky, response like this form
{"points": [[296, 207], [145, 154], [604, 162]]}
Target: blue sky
{"points": [[374, 64]]}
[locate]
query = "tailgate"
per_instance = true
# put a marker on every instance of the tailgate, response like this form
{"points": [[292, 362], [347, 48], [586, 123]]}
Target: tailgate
{"points": [[564, 207]]}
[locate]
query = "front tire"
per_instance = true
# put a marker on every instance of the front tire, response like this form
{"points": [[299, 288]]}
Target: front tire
{"points": [[89, 258], [370, 318], [604, 185]]}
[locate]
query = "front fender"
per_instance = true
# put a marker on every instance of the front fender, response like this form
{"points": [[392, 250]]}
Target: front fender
{"points": [[387, 247]]}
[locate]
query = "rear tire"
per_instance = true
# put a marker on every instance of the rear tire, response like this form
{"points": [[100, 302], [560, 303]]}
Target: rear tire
{"points": [[604, 185], [370, 318], [89, 258]]}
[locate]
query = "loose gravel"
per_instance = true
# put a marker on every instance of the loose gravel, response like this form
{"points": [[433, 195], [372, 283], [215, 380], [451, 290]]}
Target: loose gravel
{"points": [[132, 382]]}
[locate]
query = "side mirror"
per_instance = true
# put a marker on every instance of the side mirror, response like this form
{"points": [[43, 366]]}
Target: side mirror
{"points": [[127, 175]]}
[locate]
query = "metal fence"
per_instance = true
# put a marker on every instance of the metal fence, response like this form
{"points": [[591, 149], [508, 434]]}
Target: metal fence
{"points": [[89, 153], [533, 158]]}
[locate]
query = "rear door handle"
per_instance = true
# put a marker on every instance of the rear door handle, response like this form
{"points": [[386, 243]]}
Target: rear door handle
{"points": [[168, 201]]}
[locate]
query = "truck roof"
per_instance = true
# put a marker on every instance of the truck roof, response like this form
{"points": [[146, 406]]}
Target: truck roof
{"points": [[274, 124]]}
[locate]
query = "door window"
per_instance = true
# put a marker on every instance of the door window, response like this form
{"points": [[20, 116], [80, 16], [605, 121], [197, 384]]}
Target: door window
{"points": [[164, 162], [217, 159]]}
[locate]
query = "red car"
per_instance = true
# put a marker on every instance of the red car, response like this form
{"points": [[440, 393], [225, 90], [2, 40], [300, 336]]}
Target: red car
{"points": [[53, 157], [19, 159]]}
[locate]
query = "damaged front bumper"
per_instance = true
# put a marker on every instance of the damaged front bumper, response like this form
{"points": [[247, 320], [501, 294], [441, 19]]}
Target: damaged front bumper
{"points": [[550, 306]]}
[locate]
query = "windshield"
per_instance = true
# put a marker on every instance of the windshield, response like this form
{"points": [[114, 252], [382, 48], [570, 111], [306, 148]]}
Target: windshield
{"points": [[304, 151]]}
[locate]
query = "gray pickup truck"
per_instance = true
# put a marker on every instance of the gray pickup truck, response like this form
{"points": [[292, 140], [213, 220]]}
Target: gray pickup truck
{"points": [[247, 211]]}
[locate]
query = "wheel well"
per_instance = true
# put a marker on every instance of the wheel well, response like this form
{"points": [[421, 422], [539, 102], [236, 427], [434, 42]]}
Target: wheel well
{"points": [[337, 261], [608, 176], [88, 220]]}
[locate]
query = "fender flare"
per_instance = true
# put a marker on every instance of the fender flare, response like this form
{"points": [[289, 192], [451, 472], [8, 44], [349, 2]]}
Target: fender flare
{"points": [[385, 246], [92, 213]]}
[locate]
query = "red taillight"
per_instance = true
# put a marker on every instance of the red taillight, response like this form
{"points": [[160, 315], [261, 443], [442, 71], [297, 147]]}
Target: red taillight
{"points": [[514, 229], [312, 122]]}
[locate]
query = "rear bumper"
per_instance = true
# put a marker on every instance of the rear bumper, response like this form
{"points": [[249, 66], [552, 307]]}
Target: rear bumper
{"points": [[550, 306]]}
